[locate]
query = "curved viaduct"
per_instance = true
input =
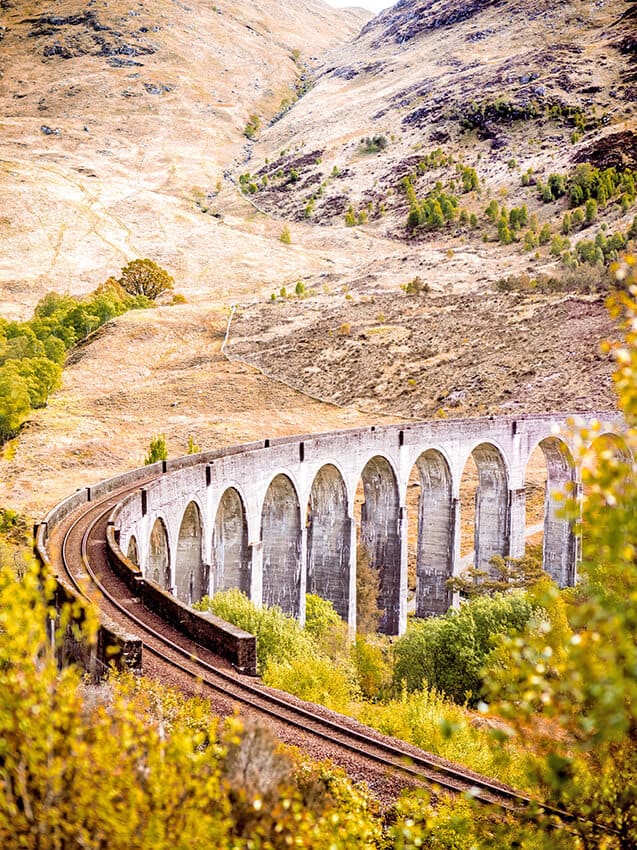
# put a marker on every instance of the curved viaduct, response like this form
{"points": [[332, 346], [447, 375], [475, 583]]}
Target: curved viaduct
{"points": [[277, 518]]}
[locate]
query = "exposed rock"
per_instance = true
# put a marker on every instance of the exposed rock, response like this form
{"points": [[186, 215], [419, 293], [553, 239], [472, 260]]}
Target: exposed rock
{"points": [[618, 150]]}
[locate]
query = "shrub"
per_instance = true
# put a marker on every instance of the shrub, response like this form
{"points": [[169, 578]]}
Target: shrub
{"points": [[284, 236], [145, 277], [448, 653], [416, 286], [374, 144], [252, 127], [157, 450]]}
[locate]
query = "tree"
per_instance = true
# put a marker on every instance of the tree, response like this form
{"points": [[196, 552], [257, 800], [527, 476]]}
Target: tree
{"points": [[157, 450], [368, 613], [145, 277], [585, 690], [14, 401]]}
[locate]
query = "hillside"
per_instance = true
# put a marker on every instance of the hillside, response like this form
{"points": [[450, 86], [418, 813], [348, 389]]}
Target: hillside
{"points": [[444, 127], [193, 134], [119, 120]]}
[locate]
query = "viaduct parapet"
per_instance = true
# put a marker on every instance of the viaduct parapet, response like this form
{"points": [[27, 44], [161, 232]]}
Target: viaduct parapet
{"points": [[277, 518]]}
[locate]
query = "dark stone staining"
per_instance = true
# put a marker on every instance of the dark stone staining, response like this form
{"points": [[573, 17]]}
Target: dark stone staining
{"points": [[132, 552], [491, 533], [230, 550], [159, 556], [281, 536], [380, 536], [329, 530], [189, 569], [435, 535], [558, 556]]}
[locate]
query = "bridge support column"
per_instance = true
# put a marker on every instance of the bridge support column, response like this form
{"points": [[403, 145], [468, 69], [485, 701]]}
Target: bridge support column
{"points": [[351, 605], [303, 576], [516, 522], [404, 555], [455, 560], [256, 573]]}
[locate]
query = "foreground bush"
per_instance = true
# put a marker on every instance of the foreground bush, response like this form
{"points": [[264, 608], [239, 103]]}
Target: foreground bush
{"points": [[137, 767], [448, 653]]}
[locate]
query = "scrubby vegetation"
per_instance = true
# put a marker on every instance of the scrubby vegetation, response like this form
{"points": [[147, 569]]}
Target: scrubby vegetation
{"points": [[32, 353]]}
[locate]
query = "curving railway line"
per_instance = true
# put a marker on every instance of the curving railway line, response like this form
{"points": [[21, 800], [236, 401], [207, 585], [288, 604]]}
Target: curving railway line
{"points": [[77, 550]]}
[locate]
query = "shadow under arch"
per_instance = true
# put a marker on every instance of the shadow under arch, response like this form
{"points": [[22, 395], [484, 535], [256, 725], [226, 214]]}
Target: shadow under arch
{"points": [[491, 531], [329, 540], [132, 552], [559, 550], [380, 537], [190, 580], [230, 549], [436, 531], [159, 555], [281, 539]]}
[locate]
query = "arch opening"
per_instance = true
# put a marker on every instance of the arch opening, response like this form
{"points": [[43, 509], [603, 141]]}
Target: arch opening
{"points": [[430, 510], [485, 477], [558, 545], [132, 553], [379, 538], [230, 549], [282, 544], [159, 555], [190, 581], [329, 540]]}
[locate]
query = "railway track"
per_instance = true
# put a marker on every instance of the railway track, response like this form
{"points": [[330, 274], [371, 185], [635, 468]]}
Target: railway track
{"points": [[78, 551]]}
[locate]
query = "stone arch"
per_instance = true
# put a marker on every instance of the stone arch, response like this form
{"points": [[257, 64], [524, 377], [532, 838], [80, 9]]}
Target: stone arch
{"points": [[613, 443], [559, 545], [436, 531], [491, 527], [132, 552], [190, 581], [159, 555], [230, 549], [281, 539], [380, 536], [329, 540]]}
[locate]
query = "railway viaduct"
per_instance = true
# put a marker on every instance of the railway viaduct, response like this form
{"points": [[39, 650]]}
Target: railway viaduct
{"points": [[277, 518]]}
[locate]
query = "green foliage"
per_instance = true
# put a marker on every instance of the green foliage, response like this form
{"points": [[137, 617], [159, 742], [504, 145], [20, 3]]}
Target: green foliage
{"points": [[584, 752], [373, 144], [416, 286], [545, 234], [142, 768], [145, 277], [157, 450], [448, 653], [504, 574], [312, 663], [32, 353], [252, 126], [284, 236], [350, 217], [469, 179], [193, 448], [603, 250]]}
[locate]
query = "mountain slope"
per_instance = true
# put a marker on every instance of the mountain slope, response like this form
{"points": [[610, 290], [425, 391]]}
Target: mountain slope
{"points": [[119, 119]]}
